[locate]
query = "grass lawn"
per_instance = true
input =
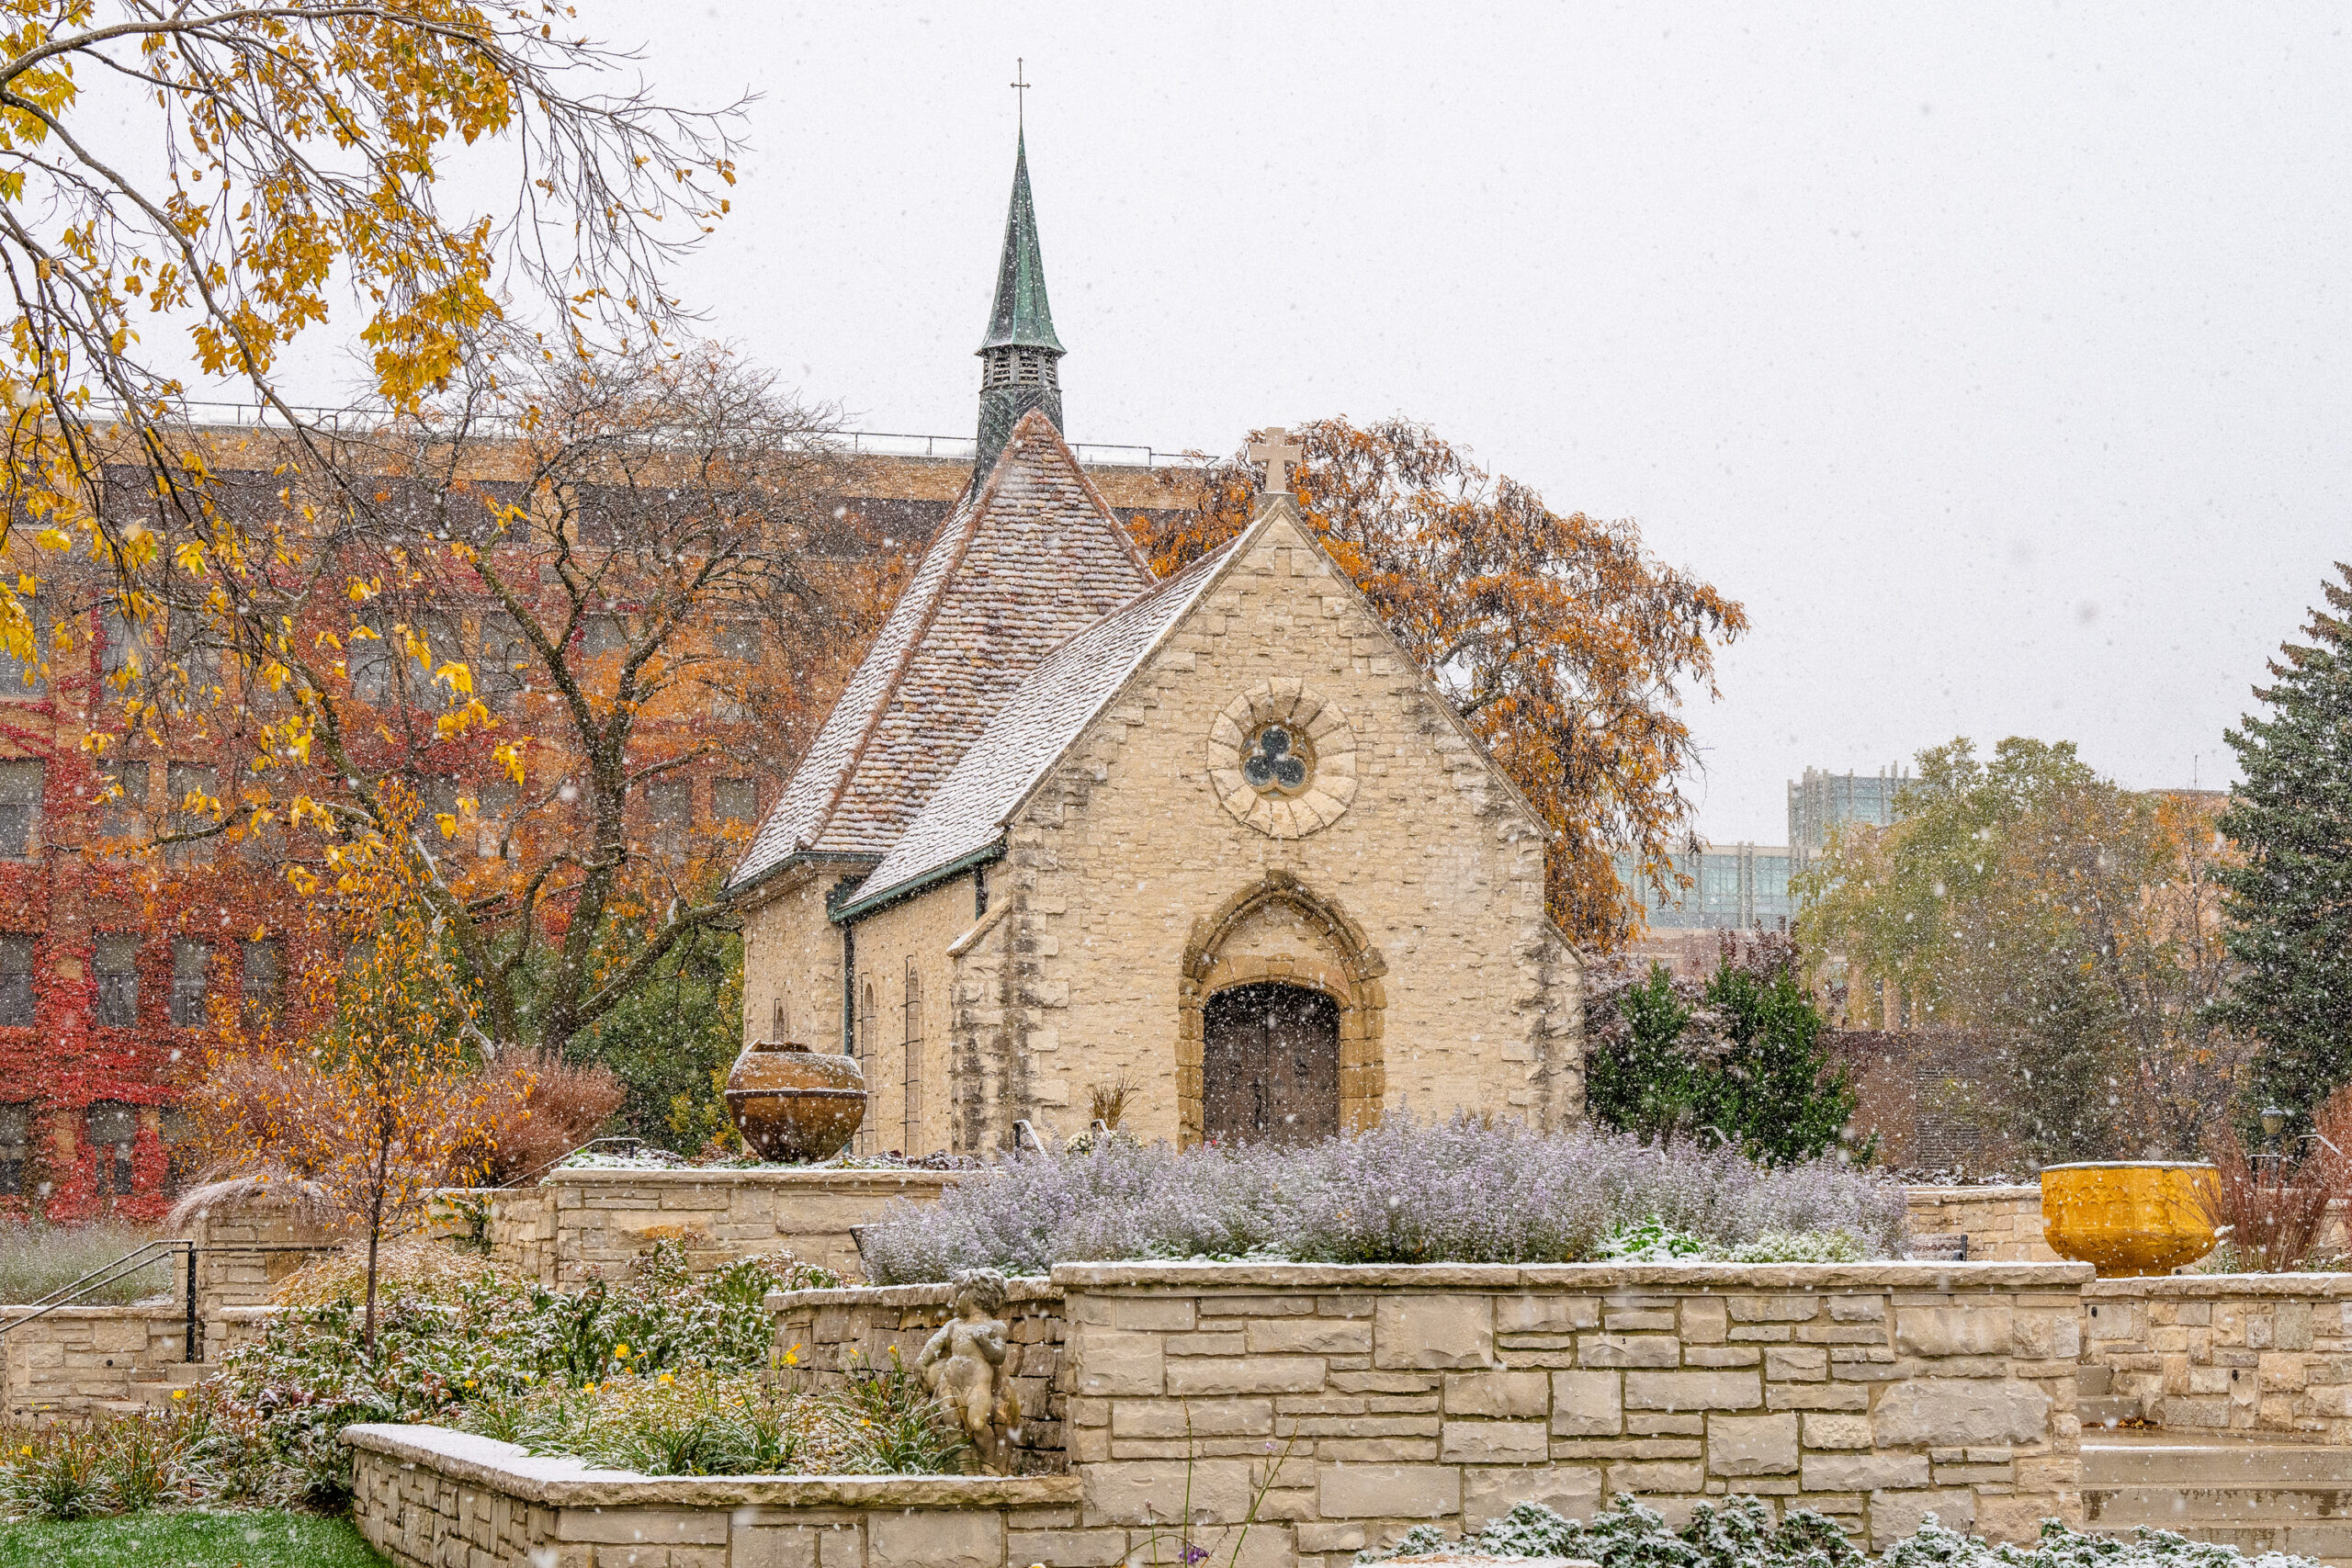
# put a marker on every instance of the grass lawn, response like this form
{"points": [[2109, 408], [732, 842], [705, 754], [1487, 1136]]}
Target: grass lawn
{"points": [[258, 1539]]}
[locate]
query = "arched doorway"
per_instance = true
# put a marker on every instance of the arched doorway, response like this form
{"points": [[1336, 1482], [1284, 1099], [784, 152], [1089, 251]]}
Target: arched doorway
{"points": [[1270, 1065]]}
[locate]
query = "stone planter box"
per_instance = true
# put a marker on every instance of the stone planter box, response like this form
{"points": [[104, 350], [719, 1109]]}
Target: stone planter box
{"points": [[1351, 1403], [427, 1496], [2229, 1352], [579, 1222]]}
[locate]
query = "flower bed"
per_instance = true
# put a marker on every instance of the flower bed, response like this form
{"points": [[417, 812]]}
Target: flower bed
{"points": [[1402, 1192]]}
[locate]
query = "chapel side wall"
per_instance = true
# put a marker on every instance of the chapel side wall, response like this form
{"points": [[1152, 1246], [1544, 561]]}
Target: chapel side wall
{"points": [[792, 952], [920, 932], [1124, 848]]}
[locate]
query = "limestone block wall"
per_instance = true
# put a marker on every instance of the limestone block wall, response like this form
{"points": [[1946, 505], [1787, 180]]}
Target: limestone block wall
{"points": [[580, 1222], [2003, 1224], [244, 1248], [2229, 1352], [429, 1497], [77, 1360], [834, 1334], [1354, 1403]]}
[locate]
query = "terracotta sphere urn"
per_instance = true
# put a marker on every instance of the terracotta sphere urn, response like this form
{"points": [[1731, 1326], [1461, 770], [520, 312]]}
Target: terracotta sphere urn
{"points": [[795, 1105], [2127, 1217]]}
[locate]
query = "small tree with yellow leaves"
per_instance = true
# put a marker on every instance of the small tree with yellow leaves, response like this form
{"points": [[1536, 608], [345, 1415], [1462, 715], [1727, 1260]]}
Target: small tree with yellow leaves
{"points": [[384, 1105]]}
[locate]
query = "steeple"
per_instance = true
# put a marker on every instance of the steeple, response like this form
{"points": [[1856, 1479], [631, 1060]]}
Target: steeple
{"points": [[1019, 356]]}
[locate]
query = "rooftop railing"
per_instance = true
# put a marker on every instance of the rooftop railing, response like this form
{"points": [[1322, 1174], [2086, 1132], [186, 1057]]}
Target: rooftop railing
{"points": [[857, 443]]}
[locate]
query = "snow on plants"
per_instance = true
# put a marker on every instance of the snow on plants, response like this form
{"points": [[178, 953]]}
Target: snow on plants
{"points": [[1402, 1192], [1741, 1532]]}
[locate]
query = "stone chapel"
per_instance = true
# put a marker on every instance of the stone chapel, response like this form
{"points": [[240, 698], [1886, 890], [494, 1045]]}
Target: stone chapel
{"points": [[1215, 839]]}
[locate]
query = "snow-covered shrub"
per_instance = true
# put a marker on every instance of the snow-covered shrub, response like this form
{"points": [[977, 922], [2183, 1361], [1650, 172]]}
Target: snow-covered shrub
{"points": [[1799, 1246], [1403, 1193], [1741, 1533]]}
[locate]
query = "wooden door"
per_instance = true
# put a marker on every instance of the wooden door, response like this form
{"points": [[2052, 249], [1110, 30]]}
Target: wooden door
{"points": [[1270, 1065]]}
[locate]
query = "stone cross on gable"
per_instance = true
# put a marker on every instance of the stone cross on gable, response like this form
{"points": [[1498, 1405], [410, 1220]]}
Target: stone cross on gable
{"points": [[1281, 452]]}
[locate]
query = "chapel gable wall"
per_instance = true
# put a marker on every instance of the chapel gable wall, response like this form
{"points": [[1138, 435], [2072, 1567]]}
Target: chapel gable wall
{"points": [[1126, 854]]}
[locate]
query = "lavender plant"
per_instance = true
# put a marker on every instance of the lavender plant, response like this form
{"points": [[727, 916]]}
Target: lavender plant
{"points": [[1462, 1191]]}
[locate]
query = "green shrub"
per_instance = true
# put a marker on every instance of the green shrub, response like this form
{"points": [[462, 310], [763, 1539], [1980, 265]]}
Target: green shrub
{"points": [[488, 1340], [705, 1423]]}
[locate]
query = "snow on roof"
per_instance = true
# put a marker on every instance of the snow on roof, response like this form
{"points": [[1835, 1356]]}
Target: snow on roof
{"points": [[1022, 561], [1045, 718]]}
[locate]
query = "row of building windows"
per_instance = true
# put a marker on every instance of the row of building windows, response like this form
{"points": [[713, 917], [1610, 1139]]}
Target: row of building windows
{"points": [[667, 808], [109, 1130], [491, 646], [114, 963]]}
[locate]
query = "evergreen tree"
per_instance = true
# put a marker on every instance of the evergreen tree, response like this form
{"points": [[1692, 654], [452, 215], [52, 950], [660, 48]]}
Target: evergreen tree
{"points": [[1642, 1075], [1740, 1061], [2290, 902], [1774, 1091]]}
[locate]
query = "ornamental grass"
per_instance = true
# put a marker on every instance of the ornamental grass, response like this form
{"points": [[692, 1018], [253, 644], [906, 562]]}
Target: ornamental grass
{"points": [[1457, 1191]]}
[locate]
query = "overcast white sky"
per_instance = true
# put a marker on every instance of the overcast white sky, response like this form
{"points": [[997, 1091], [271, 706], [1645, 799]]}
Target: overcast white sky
{"points": [[1999, 358]]}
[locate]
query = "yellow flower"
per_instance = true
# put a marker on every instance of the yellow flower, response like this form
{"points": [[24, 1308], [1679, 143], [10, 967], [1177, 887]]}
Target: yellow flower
{"points": [[666, 1378], [622, 1351], [179, 1393], [469, 1382], [792, 1358]]}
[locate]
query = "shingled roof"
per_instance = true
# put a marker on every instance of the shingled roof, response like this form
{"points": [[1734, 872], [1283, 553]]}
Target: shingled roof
{"points": [[1044, 718], [1023, 562]]}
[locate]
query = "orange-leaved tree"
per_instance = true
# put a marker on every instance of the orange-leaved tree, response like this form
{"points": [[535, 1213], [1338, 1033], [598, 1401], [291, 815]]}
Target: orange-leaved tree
{"points": [[384, 1104], [1563, 644]]}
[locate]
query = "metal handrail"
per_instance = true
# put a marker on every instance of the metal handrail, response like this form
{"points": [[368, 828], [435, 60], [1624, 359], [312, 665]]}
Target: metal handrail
{"points": [[122, 1267]]}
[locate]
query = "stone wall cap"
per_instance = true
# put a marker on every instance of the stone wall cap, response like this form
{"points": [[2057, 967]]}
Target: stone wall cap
{"points": [[176, 1310], [1586, 1276], [260, 1313], [568, 1484], [1020, 1288], [827, 1178], [1969, 1194], [2220, 1287]]}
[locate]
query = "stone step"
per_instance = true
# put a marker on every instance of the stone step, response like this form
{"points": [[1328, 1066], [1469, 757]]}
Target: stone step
{"points": [[2214, 1466], [2191, 1508]]}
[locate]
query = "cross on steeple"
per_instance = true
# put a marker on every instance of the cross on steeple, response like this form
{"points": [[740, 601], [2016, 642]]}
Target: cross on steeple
{"points": [[1020, 94], [1281, 452]]}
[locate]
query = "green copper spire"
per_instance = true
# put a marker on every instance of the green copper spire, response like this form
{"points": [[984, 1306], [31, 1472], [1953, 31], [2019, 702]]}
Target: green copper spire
{"points": [[1020, 356], [1022, 318]]}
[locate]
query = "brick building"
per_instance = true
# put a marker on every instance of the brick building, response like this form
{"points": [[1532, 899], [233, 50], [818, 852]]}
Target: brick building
{"points": [[1216, 841]]}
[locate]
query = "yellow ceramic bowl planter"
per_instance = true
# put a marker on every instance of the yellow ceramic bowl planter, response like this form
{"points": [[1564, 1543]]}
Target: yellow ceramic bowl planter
{"points": [[2128, 1216]]}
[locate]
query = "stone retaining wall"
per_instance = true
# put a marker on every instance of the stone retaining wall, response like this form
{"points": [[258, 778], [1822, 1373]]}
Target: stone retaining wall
{"points": [[429, 1497], [832, 1334], [77, 1361], [1347, 1403], [2003, 1224], [579, 1220], [2229, 1352]]}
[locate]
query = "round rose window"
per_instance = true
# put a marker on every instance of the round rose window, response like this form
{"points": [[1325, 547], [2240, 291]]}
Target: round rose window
{"points": [[1278, 760]]}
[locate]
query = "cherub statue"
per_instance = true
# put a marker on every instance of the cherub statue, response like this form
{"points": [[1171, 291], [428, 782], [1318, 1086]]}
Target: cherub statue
{"points": [[964, 1364]]}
